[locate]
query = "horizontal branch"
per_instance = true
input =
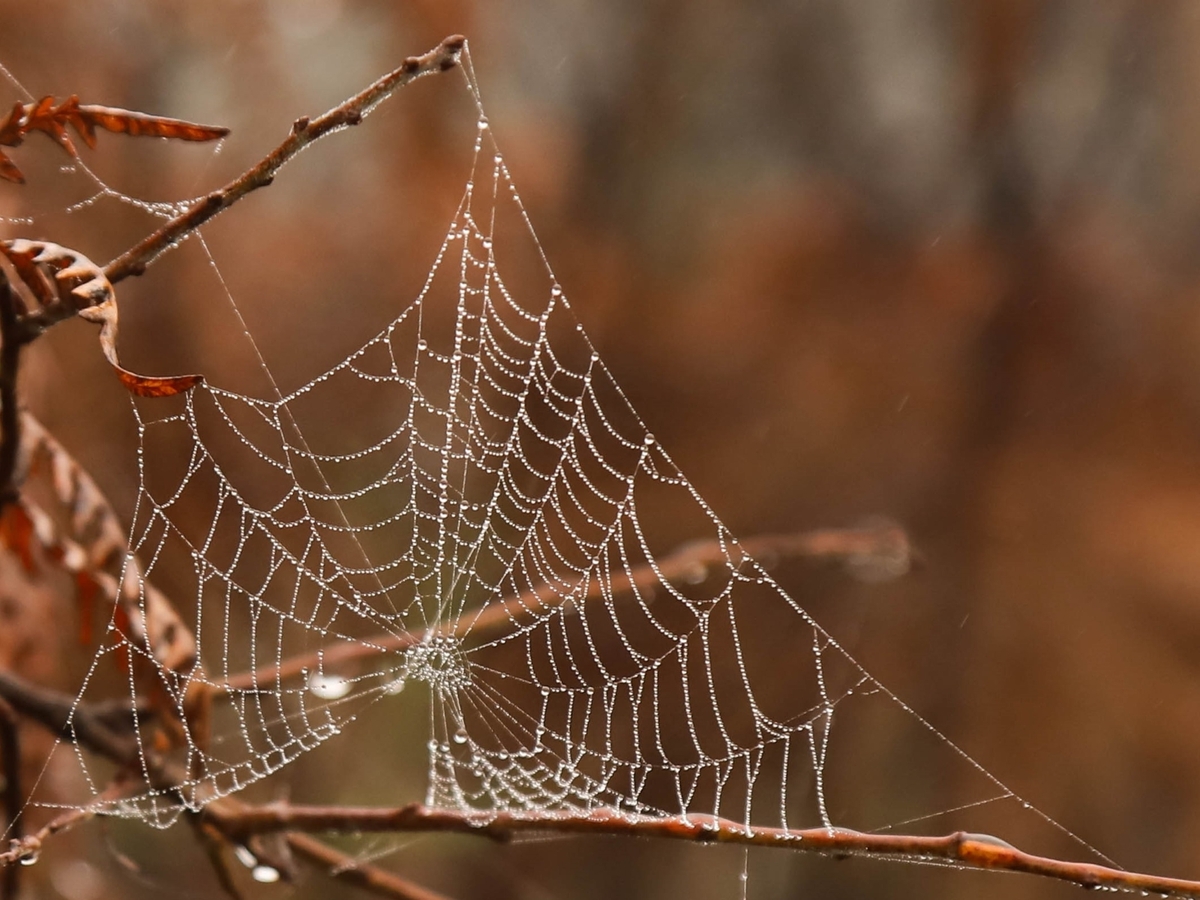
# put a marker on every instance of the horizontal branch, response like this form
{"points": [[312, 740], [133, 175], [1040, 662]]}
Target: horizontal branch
{"points": [[975, 851], [304, 132], [877, 547]]}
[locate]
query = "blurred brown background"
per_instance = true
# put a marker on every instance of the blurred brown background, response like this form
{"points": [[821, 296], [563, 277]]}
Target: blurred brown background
{"points": [[929, 260]]}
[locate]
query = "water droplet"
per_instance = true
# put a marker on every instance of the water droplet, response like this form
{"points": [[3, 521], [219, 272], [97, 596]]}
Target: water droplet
{"points": [[245, 857], [649, 439], [460, 736], [422, 344], [328, 687], [483, 124], [545, 692], [29, 859], [265, 874], [556, 291]]}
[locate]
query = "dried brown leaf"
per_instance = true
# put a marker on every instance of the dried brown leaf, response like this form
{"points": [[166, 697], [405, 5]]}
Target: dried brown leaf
{"points": [[58, 275], [93, 549], [9, 170], [124, 121], [53, 120]]}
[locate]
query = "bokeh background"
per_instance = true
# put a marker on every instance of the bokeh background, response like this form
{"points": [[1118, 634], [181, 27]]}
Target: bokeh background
{"points": [[928, 260]]}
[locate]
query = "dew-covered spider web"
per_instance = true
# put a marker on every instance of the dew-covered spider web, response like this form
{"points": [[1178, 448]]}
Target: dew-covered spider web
{"points": [[489, 535]]}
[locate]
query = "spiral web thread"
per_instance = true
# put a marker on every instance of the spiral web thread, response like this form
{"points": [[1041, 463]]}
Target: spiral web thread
{"points": [[490, 532]]}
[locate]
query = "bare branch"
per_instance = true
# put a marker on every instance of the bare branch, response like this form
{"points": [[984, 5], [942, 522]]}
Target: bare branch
{"points": [[304, 132], [30, 846], [345, 868], [61, 715], [852, 546], [976, 851], [214, 844]]}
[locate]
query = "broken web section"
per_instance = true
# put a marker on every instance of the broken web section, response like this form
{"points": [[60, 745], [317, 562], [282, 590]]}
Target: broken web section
{"points": [[467, 515]]}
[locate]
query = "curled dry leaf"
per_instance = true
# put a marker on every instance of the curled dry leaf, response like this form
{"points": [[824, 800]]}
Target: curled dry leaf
{"points": [[46, 116], [64, 282], [91, 547]]}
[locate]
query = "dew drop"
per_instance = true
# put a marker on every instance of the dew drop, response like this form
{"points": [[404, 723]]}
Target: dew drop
{"points": [[460, 736], [422, 344], [328, 687], [556, 291], [29, 859], [483, 124], [265, 874], [649, 439]]}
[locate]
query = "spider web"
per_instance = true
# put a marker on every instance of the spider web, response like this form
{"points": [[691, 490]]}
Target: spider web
{"points": [[490, 528]]}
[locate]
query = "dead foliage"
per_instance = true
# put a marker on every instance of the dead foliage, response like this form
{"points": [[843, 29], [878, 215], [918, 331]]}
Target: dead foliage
{"points": [[53, 119], [65, 282]]}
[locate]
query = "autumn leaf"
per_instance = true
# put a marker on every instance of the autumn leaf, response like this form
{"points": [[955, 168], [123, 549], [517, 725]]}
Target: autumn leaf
{"points": [[53, 120], [57, 275]]}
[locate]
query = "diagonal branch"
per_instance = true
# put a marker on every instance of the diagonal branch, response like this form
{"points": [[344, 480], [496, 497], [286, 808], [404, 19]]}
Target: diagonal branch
{"points": [[134, 260], [345, 868], [960, 848], [877, 547]]}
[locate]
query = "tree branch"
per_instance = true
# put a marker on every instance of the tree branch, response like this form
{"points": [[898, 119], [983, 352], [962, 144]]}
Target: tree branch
{"points": [[878, 546], [84, 723], [304, 132], [975, 851], [345, 868]]}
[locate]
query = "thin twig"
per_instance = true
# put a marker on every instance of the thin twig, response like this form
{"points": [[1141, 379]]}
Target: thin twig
{"points": [[975, 851], [344, 867], [304, 132], [29, 847], [691, 561], [10, 748], [214, 844]]}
